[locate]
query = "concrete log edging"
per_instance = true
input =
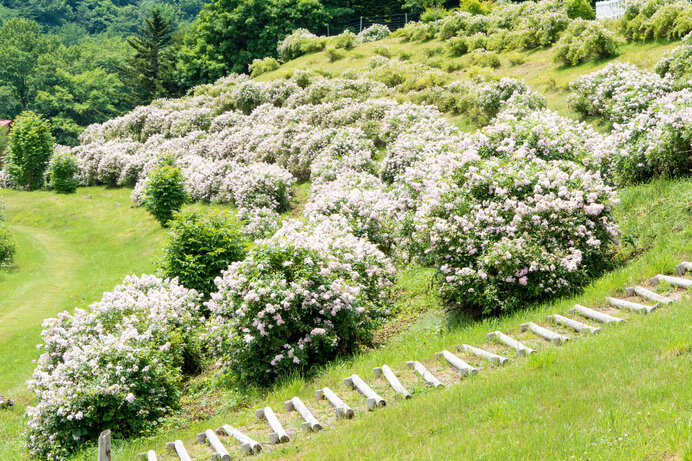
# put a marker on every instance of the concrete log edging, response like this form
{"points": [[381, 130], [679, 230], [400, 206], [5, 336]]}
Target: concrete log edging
{"points": [[279, 435], [372, 399]]}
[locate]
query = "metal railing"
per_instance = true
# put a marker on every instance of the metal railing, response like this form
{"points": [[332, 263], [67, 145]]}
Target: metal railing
{"points": [[610, 9]]}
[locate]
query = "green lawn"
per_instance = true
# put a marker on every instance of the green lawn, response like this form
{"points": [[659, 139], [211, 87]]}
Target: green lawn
{"points": [[71, 250]]}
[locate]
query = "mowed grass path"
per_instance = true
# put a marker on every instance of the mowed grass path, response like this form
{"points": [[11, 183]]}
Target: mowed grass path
{"points": [[71, 249]]}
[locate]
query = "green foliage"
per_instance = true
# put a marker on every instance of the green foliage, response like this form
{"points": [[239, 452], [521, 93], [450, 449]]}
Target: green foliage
{"points": [[335, 54], [229, 34], [63, 173], [583, 41], [8, 245], [164, 193], [153, 64], [200, 245], [31, 147], [346, 40], [262, 66], [476, 6], [580, 9]]}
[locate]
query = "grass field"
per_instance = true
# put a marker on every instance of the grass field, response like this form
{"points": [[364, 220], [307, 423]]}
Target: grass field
{"points": [[624, 394]]}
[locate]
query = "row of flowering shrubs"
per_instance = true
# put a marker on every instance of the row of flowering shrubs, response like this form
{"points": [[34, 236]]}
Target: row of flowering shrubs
{"points": [[302, 41], [656, 19]]}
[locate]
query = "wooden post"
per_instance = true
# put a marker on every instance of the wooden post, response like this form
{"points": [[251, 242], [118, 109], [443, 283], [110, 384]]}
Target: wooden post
{"points": [[105, 446]]}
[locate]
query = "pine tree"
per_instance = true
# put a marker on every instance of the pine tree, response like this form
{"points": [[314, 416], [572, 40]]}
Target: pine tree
{"points": [[151, 66]]}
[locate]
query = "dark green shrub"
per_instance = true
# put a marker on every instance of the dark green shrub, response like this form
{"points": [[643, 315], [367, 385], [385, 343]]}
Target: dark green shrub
{"points": [[8, 246], [164, 193], [30, 149], [63, 173], [200, 245]]}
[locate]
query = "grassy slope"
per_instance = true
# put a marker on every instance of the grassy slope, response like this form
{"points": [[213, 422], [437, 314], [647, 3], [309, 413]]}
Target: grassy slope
{"points": [[588, 392], [72, 249]]}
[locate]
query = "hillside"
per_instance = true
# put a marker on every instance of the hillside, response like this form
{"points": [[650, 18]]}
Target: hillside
{"points": [[394, 199]]}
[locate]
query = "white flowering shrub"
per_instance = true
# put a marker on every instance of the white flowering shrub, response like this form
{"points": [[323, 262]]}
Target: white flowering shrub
{"points": [[504, 233], [260, 185], [258, 223], [300, 42], [545, 135], [585, 40], [119, 364], [617, 92], [300, 299], [677, 63], [363, 201], [657, 142], [373, 33]]}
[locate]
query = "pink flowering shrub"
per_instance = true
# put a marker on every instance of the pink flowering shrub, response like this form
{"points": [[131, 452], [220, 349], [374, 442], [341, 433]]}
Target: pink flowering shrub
{"points": [[657, 142], [118, 363], [617, 92], [677, 63], [300, 299], [546, 135], [504, 233]]}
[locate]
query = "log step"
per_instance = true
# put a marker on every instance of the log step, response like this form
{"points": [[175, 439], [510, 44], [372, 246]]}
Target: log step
{"points": [[341, 410], [279, 435], [459, 365], [248, 445], [647, 294], [393, 381], [521, 349], [544, 333], [149, 456], [496, 359], [601, 317], [630, 306], [372, 399], [427, 376], [675, 281], [179, 448], [684, 267], [220, 451], [311, 424], [570, 323]]}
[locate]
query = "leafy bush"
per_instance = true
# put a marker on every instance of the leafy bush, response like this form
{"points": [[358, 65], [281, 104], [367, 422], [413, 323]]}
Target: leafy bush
{"points": [[476, 6], [201, 244], [383, 50], [63, 172], [307, 295], [585, 40], [657, 142], [8, 245], [617, 92], [335, 54], [346, 40], [165, 193], [656, 19], [298, 43], [373, 33], [262, 66], [29, 151], [505, 233], [580, 9], [119, 364]]}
